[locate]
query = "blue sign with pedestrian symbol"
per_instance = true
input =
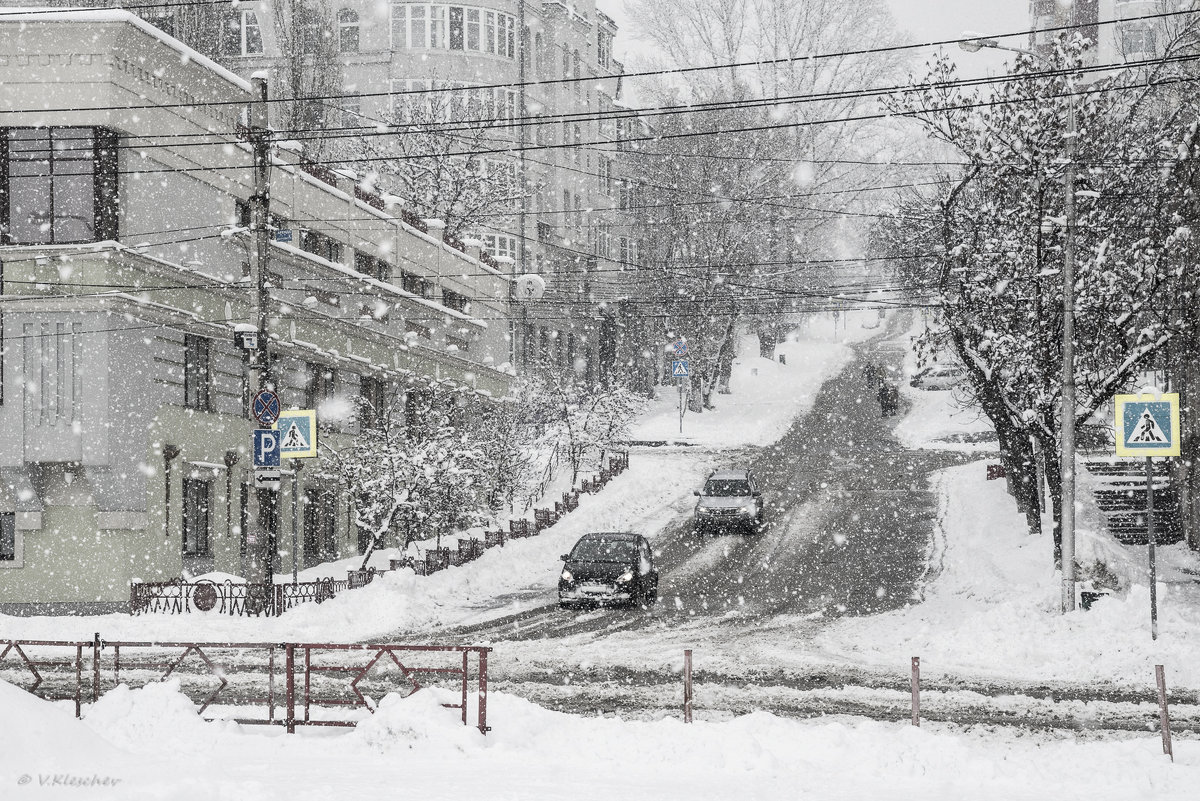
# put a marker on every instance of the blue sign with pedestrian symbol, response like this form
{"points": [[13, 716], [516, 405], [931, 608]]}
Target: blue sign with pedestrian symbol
{"points": [[679, 368], [298, 434], [1147, 425], [266, 448]]}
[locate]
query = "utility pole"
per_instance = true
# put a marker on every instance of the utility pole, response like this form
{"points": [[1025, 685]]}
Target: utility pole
{"points": [[1067, 467], [260, 215]]}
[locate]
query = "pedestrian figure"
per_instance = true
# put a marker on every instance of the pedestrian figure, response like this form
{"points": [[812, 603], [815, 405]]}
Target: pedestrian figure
{"points": [[893, 399], [871, 373], [883, 399]]}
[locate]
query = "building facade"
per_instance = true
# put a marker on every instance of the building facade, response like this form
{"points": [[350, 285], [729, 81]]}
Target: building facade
{"points": [[1121, 31], [124, 438]]}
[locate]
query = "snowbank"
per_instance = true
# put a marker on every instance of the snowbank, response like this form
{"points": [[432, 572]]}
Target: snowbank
{"points": [[993, 607]]}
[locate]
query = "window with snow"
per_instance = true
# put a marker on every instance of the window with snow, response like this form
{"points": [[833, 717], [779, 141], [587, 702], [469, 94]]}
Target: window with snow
{"points": [[347, 30], [196, 373], [452, 27], [456, 301], [604, 41], [1138, 41], [500, 245], [319, 384], [241, 34], [196, 502], [8, 537], [57, 185]]}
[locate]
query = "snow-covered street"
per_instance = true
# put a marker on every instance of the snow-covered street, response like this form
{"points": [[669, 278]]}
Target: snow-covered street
{"points": [[994, 649]]}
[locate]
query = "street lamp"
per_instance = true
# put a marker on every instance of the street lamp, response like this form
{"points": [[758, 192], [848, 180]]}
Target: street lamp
{"points": [[1067, 450]]}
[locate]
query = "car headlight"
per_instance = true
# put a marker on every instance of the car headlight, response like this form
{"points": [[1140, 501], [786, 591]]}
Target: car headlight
{"points": [[746, 510], [625, 577], [703, 510], [566, 576]]}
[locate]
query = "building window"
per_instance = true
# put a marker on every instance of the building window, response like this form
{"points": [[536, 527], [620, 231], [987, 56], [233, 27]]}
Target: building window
{"points": [[418, 406], [1138, 41], [374, 397], [347, 30], [457, 344], [321, 245], [411, 282], [240, 34], [500, 245], [418, 330], [319, 384], [446, 27], [196, 501], [320, 526], [58, 185], [456, 301], [604, 48], [196, 373], [545, 232], [8, 537]]}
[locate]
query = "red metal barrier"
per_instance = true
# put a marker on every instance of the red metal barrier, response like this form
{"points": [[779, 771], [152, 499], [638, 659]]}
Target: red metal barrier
{"points": [[240, 677]]}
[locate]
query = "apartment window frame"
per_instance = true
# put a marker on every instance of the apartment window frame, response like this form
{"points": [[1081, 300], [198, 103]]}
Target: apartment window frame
{"points": [[348, 30], [197, 517], [457, 27], [320, 383], [456, 301], [241, 34], [55, 176], [12, 550], [197, 373]]}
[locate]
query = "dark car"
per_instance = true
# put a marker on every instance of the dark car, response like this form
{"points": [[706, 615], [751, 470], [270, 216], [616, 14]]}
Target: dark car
{"points": [[608, 568], [730, 500]]}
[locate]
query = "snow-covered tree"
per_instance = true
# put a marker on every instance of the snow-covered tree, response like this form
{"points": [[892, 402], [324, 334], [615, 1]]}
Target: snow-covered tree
{"points": [[999, 225]]}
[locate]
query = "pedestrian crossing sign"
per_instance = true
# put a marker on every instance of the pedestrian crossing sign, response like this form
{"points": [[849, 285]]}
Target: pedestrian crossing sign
{"points": [[1147, 424], [679, 368], [297, 434]]}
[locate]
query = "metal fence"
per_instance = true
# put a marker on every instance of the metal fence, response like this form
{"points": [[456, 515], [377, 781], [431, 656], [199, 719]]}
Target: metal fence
{"points": [[280, 684], [238, 598]]}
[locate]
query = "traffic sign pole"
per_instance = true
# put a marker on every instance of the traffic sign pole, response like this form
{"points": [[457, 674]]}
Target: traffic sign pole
{"points": [[1150, 541]]}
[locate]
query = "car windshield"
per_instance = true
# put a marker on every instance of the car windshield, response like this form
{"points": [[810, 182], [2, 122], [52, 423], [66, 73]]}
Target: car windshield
{"points": [[727, 487], [604, 549]]}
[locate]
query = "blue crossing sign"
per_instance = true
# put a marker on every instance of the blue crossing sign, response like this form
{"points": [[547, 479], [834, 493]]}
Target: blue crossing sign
{"points": [[298, 434], [1147, 425], [679, 368], [266, 448]]}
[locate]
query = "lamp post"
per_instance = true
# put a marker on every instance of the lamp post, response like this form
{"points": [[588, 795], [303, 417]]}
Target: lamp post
{"points": [[1067, 437]]}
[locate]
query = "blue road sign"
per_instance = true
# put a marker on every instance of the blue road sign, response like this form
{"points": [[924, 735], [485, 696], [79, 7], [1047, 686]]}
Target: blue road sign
{"points": [[1147, 425], [266, 448], [283, 235], [265, 408], [298, 434], [680, 348], [679, 368]]}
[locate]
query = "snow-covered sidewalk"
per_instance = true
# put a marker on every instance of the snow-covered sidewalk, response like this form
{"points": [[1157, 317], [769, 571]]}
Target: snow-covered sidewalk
{"points": [[130, 746]]}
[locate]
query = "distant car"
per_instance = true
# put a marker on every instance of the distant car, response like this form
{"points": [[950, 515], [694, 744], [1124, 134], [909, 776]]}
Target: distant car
{"points": [[939, 376], [730, 500], [608, 568]]}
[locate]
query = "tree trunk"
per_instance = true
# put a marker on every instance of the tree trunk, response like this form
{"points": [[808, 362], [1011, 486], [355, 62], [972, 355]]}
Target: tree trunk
{"points": [[1052, 455]]}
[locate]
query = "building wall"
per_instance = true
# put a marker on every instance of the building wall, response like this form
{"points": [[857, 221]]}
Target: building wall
{"points": [[95, 334]]}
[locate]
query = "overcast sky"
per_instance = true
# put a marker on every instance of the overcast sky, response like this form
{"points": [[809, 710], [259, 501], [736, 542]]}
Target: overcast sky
{"points": [[921, 21]]}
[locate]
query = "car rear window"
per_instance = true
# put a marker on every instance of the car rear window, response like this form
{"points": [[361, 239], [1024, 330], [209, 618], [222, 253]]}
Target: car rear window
{"points": [[726, 487], [604, 549]]}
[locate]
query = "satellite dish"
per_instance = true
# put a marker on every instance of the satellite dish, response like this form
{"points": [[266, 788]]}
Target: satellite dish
{"points": [[530, 287]]}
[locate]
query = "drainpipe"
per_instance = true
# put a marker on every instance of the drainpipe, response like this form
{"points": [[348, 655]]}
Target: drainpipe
{"points": [[231, 458]]}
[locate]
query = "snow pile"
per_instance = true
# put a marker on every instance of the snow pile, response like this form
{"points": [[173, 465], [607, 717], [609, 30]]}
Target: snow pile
{"points": [[157, 717], [419, 720], [36, 734], [993, 607]]}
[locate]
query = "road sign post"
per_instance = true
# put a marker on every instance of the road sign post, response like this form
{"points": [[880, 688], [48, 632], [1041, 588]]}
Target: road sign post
{"points": [[680, 371], [1147, 425]]}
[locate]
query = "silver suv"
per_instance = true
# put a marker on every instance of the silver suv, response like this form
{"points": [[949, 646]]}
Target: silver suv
{"points": [[730, 499]]}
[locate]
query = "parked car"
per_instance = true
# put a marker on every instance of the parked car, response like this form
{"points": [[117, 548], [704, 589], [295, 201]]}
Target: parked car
{"points": [[939, 376], [608, 568], [730, 500]]}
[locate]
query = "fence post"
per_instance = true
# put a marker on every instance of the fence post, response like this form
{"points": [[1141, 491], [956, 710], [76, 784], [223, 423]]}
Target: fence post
{"points": [[687, 685], [290, 650], [483, 727], [78, 681], [1164, 718], [916, 691], [96, 668]]}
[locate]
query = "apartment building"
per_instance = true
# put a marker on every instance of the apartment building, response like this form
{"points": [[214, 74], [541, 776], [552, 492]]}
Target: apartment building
{"points": [[124, 439], [1120, 30]]}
